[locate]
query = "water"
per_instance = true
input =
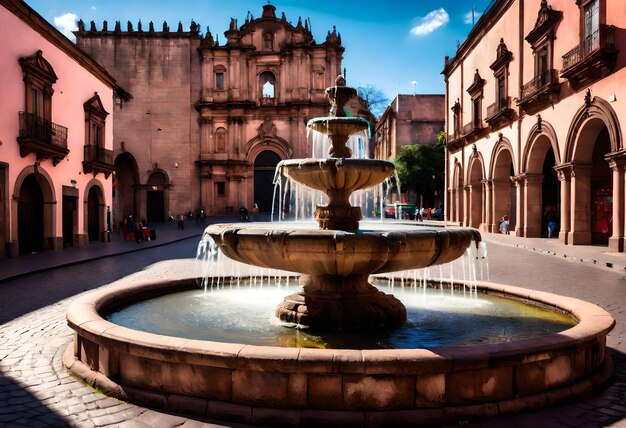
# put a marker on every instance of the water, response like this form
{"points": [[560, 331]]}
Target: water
{"points": [[245, 314]]}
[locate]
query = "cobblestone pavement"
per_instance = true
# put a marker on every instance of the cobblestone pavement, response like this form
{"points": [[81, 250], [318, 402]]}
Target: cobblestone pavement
{"points": [[36, 391]]}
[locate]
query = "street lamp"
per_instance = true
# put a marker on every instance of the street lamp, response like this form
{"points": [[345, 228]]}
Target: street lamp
{"points": [[414, 83]]}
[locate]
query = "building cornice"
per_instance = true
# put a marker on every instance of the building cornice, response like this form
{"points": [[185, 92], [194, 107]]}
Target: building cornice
{"points": [[482, 27], [54, 36]]}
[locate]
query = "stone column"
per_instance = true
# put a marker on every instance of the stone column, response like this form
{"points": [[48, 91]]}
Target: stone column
{"points": [[580, 233], [520, 185], [467, 203], [564, 173], [533, 206], [487, 211], [451, 209], [616, 241]]}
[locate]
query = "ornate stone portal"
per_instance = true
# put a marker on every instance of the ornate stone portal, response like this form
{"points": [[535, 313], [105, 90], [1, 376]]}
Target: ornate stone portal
{"points": [[337, 259]]}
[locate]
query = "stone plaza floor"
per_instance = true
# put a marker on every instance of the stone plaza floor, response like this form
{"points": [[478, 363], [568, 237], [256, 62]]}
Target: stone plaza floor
{"points": [[36, 391]]}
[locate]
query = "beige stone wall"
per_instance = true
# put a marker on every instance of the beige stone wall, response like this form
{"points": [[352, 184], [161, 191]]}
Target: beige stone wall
{"points": [[205, 131]]}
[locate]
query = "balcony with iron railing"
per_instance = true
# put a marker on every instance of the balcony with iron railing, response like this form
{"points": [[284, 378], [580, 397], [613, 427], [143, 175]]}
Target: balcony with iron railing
{"points": [[500, 113], [542, 90], [98, 159], [42, 137], [595, 57]]}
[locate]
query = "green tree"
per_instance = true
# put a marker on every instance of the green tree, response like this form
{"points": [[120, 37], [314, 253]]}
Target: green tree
{"points": [[421, 169]]}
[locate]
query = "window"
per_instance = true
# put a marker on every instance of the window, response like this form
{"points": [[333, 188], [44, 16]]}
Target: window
{"points": [[36, 102], [97, 157], [220, 188], [268, 90], [220, 140], [501, 90], [268, 41], [39, 77], [267, 82], [500, 69], [220, 74], [476, 94], [95, 120], [591, 35], [476, 112]]}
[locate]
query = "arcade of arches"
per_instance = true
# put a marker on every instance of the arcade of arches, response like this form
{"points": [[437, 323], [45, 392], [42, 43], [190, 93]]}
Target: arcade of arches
{"points": [[572, 189]]}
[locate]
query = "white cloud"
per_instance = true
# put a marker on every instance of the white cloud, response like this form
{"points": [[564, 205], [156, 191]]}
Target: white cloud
{"points": [[66, 24], [429, 23], [467, 18], [93, 8]]}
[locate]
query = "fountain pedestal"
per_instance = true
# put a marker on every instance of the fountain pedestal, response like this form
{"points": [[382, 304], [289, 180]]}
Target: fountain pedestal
{"points": [[343, 303]]}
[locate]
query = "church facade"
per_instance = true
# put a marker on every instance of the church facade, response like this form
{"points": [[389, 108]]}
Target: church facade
{"points": [[205, 122]]}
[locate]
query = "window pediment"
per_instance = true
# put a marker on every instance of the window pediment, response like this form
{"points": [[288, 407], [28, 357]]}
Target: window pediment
{"points": [[477, 85], [94, 106], [503, 57], [547, 21], [37, 67]]}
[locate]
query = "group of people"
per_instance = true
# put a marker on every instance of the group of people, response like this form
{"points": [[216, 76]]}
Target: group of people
{"points": [[428, 213], [135, 230], [180, 219], [550, 219]]}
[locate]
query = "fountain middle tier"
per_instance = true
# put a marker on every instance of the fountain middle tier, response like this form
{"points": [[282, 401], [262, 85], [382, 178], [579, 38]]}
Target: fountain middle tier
{"points": [[336, 265], [338, 178]]}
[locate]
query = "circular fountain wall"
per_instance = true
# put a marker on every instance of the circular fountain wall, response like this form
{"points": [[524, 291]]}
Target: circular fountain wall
{"points": [[304, 386]]}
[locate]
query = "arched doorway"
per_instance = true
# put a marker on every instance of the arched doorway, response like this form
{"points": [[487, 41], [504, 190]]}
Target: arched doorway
{"points": [[155, 198], [504, 198], [601, 191], [550, 197], [264, 167], [456, 209], [30, 229], [475, 199], [93, 214], [542, 189]]}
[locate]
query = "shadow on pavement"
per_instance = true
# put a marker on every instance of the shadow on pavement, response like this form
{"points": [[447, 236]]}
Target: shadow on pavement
{"points": [[18, 407]]}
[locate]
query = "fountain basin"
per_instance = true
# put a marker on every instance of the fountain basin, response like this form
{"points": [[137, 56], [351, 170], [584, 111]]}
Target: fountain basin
{"points": [[300, 386]]}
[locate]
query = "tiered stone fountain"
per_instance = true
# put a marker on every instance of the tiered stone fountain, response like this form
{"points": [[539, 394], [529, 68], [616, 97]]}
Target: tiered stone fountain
{"points": [[336, 260], [272, 385]]}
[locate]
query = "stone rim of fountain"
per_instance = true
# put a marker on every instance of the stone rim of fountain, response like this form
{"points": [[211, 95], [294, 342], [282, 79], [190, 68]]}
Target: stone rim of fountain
{"points": [[296, 386]]}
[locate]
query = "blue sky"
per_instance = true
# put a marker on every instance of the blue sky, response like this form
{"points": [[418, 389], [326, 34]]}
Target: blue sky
{"points": [[389, 44]]}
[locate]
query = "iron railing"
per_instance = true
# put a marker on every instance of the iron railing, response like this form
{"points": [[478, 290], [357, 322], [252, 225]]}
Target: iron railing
{"points": [[538, 82], [42, 130], [603, 38], [498, 106], [98, 154]]}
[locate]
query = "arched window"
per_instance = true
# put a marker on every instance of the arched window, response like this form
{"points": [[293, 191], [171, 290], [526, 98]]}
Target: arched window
{"points": [[267, 83], [220, 140], [220, 73], [268, 41]]}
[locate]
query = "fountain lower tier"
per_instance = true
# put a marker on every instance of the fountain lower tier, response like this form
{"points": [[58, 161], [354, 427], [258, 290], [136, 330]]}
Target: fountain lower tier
{"points": [[336, 264]]}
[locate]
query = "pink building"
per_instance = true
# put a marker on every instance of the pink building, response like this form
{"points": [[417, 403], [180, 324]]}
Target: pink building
{"points": [[534, 114], [55, 137]]}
